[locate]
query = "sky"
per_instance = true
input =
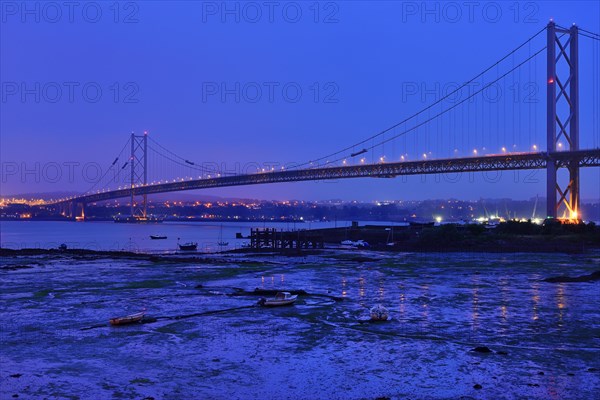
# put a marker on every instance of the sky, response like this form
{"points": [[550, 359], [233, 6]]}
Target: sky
{"points": [[241, 84]]}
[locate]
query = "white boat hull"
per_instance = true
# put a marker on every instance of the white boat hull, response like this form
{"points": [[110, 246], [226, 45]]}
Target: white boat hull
{"points": [[281, 299]]}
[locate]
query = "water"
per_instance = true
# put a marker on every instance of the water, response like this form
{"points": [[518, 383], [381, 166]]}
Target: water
{"points": [[209, 343], [136, 237]]}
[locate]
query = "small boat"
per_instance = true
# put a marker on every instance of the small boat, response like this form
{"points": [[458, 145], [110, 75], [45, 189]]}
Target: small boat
{"points": [[128, 319], [158, 237], [357, 244], [379, 313], [189, 246], [221, 242], [280, 299]]}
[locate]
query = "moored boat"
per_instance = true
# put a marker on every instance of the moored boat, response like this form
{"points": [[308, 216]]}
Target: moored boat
{"points": [[158, 237], [280, 299], [189, 246], [128, 319], [221, 242]]}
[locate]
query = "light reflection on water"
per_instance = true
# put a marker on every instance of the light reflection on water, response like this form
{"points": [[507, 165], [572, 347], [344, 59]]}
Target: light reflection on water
{"points": [[461, 301], [535, 299], [560, 302], [475, 303]]}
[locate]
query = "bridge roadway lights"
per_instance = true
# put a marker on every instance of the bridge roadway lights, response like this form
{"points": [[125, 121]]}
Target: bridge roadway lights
{"points": [[528, 161]]}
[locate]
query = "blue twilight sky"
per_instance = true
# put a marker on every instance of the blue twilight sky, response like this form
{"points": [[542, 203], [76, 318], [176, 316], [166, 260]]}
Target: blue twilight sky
{"points": [[242, 84]]}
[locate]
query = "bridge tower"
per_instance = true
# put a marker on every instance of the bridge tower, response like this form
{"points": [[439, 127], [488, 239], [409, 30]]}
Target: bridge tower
{"points": [[562, 121], [139, 173]]}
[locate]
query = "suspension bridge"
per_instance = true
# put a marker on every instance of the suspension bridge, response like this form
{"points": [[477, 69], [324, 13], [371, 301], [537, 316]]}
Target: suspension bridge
{"points": [[454, 121]]}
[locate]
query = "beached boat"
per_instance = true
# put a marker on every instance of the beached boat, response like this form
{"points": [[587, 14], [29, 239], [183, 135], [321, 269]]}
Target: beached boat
{"points": [[280, 299], [158, 237], [355, 245], [379, 313], [128, 319]]}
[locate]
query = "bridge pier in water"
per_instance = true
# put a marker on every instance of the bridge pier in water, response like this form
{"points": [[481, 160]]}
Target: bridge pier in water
{"points": [[73, 210]]}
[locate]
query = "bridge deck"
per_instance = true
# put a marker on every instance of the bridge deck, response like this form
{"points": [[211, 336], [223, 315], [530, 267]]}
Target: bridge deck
{"points": [[500, 162]]}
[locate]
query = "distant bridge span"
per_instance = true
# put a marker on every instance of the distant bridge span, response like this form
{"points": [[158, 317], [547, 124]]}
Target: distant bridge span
{"points": [[502, 162]]}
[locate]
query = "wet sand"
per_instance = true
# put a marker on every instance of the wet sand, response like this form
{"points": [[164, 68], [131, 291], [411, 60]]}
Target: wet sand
{"points": [[206, 339]]}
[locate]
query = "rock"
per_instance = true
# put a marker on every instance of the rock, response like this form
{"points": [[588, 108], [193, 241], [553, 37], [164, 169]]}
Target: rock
{"points": [[363, 259], [541, 373], [592, 369], [379, 313], [594, 276], [477, 386], [502, 352], [570, 374], [481, 349], [16, 267], [16, 375], [15, 395]]}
